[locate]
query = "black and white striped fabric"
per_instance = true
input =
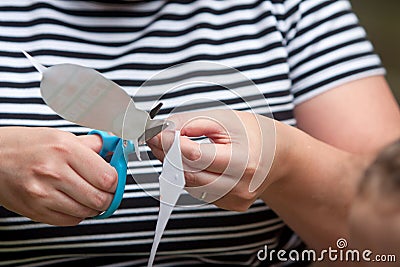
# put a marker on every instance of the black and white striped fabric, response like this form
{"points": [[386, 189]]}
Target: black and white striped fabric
{"points": [[292, 50]]}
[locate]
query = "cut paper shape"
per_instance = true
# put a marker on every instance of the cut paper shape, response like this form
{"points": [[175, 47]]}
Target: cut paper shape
{"points": [[85, 97], [172, 182]]}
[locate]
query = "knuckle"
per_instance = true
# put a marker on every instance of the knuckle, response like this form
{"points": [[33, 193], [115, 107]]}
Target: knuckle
{"points": [[60, 141], [155, 141], [100, 202], [193, 155], [36, 191], [244, 195], [45, 169], [247, 197], [250, 170], [63, 147], [107, 180], [85, 212], [190, 178]]}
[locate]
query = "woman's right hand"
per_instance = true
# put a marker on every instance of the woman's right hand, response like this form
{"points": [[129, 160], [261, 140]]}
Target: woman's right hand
{"points": [[52, 176]]}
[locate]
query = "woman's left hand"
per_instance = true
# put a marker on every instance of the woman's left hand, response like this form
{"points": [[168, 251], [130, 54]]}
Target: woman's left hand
{"points": [[230, 171]]}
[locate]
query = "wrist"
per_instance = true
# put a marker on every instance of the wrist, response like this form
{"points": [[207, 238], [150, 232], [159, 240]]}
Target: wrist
{"points": [[283, 159]]}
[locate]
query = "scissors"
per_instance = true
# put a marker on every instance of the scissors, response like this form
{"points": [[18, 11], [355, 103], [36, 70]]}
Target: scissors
{"points": [[120, 150]]}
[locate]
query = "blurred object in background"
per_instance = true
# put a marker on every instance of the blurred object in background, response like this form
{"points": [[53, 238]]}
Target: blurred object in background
{"points": [[381, 20]]}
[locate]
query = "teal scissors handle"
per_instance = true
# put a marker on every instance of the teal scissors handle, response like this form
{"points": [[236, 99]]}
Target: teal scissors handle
{"points": [[120, 149]]}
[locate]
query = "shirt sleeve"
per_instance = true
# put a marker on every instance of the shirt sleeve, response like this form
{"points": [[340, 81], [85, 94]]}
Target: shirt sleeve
{"points": [[326, 48]]}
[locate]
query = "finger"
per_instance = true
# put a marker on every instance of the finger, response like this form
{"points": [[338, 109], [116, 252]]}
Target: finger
{"points": [[93, 141], [64, 204], [224, 155], [192, 124], [56, 218], [215, 185], [213, 125], [223, 191], [209, 157], [161, 143], [197, 156], [93, 168], [158, 152], [84, 193]]}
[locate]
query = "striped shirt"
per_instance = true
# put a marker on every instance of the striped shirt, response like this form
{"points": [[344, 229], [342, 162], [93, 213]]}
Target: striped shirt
{"points": [[292, 50]]}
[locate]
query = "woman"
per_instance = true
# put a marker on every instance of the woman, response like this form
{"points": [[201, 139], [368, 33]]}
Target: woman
{"points": [[309, 59]]}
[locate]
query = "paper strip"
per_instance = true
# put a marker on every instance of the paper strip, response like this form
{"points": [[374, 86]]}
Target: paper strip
{"points": [[172, 182]]}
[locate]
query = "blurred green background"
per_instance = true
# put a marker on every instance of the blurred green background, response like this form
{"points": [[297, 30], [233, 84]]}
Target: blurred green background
{"points": [[381, 19]]}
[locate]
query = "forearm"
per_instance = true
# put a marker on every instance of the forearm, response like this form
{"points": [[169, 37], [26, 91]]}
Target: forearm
{"points": [[316, 185]]}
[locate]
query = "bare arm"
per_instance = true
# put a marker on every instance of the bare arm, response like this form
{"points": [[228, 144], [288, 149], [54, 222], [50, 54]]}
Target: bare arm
{"points": [[360, 117], [343, 130]]}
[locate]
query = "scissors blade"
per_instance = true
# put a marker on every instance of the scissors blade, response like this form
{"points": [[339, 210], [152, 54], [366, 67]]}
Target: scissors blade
{"points": [[154, 111], [153, 128]]}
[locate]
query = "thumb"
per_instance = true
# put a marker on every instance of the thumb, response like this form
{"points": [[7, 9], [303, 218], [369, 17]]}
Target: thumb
{"points": [[94, 142], [212, 124]]}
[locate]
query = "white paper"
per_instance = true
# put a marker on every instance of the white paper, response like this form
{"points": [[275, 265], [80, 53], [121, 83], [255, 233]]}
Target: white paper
{"points": [[172, 182], [84, 96]]}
